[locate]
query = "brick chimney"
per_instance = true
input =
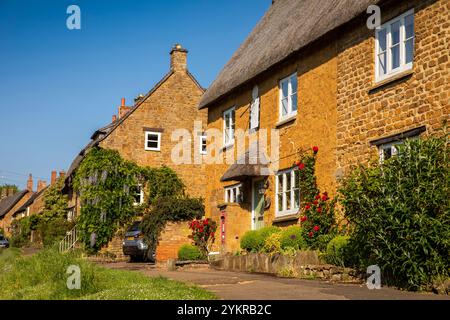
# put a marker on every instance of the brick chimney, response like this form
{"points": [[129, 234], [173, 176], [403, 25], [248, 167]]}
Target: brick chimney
{"points": [[113, 118], [178, 58], [41, 185], [123, 109], [62, 174], [53, 177], [30, 183]]}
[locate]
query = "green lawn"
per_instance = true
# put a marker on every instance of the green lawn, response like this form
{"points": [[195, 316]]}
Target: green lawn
{"points": [[43, 276]]}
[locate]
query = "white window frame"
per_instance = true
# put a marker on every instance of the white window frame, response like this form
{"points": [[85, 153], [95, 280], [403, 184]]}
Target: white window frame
{"points": [[254, 110], [385, 146], [403, 66], [287, 174], [158, 134], [290, 113], [203, 142], [141, 195], [229, 126], [235, 192]]}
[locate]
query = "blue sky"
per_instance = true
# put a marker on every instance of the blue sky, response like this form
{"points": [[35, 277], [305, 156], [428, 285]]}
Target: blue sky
{"points": [[58, 85]]}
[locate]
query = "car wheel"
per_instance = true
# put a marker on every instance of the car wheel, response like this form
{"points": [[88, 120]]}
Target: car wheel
{"points": [[148, 256]]}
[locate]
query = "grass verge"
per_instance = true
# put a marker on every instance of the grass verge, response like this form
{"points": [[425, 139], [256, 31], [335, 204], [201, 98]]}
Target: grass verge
{"points": [[43, 277]]}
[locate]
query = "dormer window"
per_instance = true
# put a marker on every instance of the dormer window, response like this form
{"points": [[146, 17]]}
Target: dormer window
{"points": [[288, 97], [254, 109]]}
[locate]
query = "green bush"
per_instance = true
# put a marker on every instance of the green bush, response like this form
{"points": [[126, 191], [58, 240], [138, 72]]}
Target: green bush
{"points": [[272, 244], [336, 250], [190, 252], [399, 214], [253, 240], [293, 237]]}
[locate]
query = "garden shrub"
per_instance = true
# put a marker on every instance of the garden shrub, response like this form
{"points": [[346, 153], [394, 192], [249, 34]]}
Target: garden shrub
{"points": [[336, 250], [272, 244], [293, 237], [190, 252], [203, 234], [253, 240], [399, 213]]}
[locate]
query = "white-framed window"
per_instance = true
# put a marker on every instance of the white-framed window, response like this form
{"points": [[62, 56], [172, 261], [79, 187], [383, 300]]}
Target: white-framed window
{"points": [[228, 127], [288, 192], [394, 46], [152, 141], [254, 109], [203, 144], [388, 150], [288, 97], [234, 194], [138, 194]]}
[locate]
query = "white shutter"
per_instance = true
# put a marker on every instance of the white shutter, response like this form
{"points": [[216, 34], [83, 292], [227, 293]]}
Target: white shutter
{"points": [[254, 109]]}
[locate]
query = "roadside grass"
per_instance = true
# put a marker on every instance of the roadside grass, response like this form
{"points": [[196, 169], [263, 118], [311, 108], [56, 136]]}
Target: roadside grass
{"points": [[43, 277]]}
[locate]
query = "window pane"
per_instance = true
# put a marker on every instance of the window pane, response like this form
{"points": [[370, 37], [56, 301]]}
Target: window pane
{"points": [[280, 202], [395, 33], [409, 26], [395, 54], [152, 137], [288, 200], [294, 102], [284, 110], [382, 64], [382, 40], [409, 50], [152, 144], [294, 84], [296, 199], [288, 181], [387, 153], [284, 89]]}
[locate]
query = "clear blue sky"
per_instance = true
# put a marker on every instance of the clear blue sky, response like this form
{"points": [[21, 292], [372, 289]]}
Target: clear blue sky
{"points": [[57, 86]]}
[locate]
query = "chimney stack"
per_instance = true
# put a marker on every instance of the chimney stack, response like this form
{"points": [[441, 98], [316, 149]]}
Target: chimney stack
{"points": [[62, 174], [53, 177], [41, 185], [123, 109], [30, 183], [114, 118], [178, 58]]}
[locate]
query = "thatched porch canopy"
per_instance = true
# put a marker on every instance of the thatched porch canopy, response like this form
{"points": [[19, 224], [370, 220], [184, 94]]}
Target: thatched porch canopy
{"points": [[249, 165]]}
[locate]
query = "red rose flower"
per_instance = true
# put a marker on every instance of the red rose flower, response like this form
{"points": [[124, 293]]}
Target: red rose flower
{"points": [[317, 197], [316, 149], [304, 218], [319, 210], [297, 163], [307, 207], [301, 166], [212, 235], [310, 234], [324, 198], [205, 222], [315, 202], [316, 228]]}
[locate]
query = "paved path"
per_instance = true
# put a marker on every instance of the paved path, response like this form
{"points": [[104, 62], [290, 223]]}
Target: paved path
{"points": [[248, 286]]}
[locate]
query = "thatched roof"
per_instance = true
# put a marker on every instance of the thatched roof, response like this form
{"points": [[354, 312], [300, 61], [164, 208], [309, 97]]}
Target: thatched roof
{"points": [[287, 27], [9, 202], [250, 164]]}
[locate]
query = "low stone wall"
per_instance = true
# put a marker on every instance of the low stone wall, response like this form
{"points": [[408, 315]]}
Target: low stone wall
{"points": [[305, 264]]}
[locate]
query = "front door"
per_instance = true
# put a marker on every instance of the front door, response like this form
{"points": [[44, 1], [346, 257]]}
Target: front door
{"points": [[258, 205]]}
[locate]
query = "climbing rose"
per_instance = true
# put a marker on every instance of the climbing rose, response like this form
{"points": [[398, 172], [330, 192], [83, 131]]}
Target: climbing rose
{"points": [[316, 149], [301, 166], [310, 234], [304, 218], [316, 228], [307, 207], [317, 197], [319, 210], [324, 197], [315, 202]]}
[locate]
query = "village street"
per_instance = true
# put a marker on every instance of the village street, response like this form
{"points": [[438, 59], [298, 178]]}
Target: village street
{"points": [[245, 286]]}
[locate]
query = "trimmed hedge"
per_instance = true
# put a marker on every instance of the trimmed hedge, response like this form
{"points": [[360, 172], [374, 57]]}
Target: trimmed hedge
{"points": [[293, 237], [336, 250], [190, 252], [253, 240]]}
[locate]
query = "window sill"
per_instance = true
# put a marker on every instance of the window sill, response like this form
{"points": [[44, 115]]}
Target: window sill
{"points": [[287, 217], [393, 78], [286, 120]]}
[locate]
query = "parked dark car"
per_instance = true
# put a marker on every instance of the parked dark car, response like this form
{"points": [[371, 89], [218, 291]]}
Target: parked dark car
{"points": [[134, 245], [4, 243]]}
